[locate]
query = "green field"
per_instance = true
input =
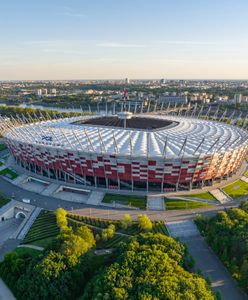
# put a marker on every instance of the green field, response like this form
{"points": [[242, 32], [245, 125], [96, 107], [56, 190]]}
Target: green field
{"points": [[171, 204], [27, 251], [43, 230], [237, 189], [9, 173], [206, 196], [135, 201]]}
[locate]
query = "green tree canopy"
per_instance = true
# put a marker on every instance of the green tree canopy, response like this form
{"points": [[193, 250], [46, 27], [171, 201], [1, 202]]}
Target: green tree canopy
{"points": [[149, 269]]}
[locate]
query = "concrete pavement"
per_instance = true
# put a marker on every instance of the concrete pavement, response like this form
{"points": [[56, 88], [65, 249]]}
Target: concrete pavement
{"points": [[8, 228], [206, 260], [5, 293], [212, 267]]}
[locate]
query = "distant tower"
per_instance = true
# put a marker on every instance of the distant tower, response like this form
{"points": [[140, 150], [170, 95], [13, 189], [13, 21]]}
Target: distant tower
{"points": [[162, 81], [127, 81], [124, 114]]}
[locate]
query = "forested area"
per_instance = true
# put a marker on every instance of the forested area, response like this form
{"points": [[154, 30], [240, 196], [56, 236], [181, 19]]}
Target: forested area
{"points": [[150, 266], [227, 234], [36, 114], [146, 266]]}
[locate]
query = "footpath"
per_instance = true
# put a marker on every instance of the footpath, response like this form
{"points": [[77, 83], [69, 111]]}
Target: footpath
{"points": [[206, 260]]}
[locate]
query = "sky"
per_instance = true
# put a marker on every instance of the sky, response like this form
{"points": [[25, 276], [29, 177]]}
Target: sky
{"points": [[114, 39]]}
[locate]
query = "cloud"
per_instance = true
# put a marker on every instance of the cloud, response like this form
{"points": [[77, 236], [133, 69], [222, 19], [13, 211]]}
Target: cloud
{"points": [[69, 12], [190, 42], [63, 51], [120, 45]]}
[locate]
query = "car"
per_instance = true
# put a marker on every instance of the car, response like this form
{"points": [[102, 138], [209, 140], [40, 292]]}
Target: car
{"points": [[26, 200]]}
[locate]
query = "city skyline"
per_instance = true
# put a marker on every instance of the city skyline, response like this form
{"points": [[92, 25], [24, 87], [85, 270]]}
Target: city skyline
{"points": [[113, 40]]}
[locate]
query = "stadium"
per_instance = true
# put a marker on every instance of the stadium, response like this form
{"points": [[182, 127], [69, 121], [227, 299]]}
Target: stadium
{"points": [[137, 152]]}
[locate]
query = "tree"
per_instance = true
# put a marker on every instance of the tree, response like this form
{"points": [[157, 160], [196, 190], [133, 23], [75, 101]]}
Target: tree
{"points": [[86, 234], [227, 234], [61, 219], [52, 265], [108, 233], [73, 247], [144, 223], [126, 221], [145, 270]]}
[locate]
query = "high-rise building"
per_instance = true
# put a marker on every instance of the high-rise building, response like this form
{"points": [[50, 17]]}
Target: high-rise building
{"points": [[39, 92], [53, 92], [127, 81], [44, 92], [238, 98]]}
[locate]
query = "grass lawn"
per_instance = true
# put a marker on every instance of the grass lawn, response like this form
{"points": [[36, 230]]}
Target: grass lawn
{"points": [[135, 201], [183, 204], [9, 173], [44, 227], [246, 173], [43, 242], [237, 189], [27, 251], [3, 201], [2, 147], [206, 196]]}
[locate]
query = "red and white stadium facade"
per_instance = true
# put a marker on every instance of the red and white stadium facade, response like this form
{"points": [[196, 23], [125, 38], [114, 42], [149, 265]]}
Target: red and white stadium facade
{"points": [[191, 154]]}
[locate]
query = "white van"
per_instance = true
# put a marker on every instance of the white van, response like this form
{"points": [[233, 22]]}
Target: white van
{"points": [[25, 200]]}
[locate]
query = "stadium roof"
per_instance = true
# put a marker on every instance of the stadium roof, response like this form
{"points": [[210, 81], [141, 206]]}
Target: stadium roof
{"points": [[188, 137]]}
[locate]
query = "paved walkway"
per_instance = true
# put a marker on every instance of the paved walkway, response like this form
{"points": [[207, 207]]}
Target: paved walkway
{"points": [[182, 229], [155, 203], [8, 246], [31, 247], [206, 260], [8, 228], [244, 178], [221, 196], [5, 293], [212, 267], [71, 196], [95, 198]]}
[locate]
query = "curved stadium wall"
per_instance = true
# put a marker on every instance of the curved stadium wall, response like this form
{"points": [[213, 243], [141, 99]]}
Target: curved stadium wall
{"points": [[153, 153]]}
